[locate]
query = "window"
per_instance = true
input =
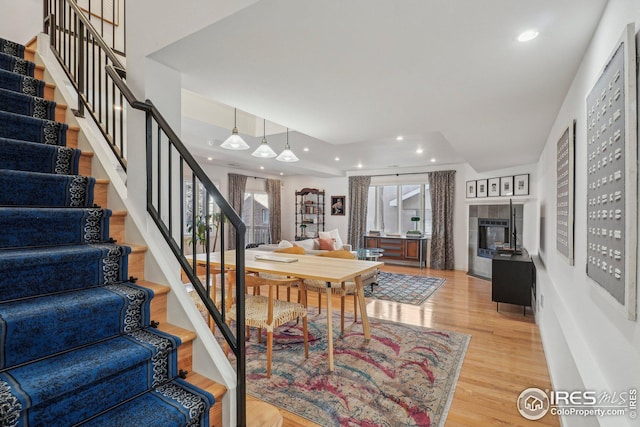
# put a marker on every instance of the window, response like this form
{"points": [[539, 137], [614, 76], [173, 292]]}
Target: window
{"points": [[255, 214], [391, 207], [200, 202]]}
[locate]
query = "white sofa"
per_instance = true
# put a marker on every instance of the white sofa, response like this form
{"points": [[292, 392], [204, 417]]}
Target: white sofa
{"points": [[311, 246]]}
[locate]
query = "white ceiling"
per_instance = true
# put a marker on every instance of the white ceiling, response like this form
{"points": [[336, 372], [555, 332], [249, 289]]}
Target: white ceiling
{"points": [[448, 75]]}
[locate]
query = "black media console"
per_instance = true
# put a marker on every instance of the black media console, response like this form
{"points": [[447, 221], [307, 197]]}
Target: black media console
{"points": [[513, 279]]}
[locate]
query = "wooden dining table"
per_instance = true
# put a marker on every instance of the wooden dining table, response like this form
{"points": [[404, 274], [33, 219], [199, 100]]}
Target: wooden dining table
{"points": [[326, 269]]}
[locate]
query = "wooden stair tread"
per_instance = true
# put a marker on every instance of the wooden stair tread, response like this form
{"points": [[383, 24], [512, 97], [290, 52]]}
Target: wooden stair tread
{"points": [[61, 113], [136, 248], [198, 380], [38, 72], [185, 335], [218, 391], [119, 213], [49, 91], [29, 53], [157, 288]]}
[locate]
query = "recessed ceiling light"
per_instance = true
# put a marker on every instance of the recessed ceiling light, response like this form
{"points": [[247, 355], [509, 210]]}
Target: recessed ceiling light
{"points": [[419, 151], [528, 35], [281, 173], [305, 149], [337, 159], [399, 138], [359, 165], [209, 158], [433, 160], [261, 167]]}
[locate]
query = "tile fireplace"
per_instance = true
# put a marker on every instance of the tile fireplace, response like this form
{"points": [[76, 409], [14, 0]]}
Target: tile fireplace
{"points": [[488, 229]]}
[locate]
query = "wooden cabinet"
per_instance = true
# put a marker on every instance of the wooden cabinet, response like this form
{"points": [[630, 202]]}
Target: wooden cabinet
{"points": [[309, 213], [513, 279], [400, 250]]}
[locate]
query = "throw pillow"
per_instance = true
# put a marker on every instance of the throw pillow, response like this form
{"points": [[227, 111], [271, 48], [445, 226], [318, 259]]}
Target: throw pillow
{"points": [[292, 250], [285, 244], [332, 234], [340, 253], [327, 244]]}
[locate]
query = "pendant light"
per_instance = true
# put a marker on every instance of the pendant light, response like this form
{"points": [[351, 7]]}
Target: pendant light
{"points": [[287, 155], [264, 151], [235, 142]]}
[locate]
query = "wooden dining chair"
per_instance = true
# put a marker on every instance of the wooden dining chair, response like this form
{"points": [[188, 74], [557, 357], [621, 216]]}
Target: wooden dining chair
{"points": [[343, 289], [268, 312]]}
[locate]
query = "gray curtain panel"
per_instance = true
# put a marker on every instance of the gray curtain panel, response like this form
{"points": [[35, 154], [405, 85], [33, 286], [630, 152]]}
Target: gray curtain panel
{"points": [[442, 186], [237, 185], [358, 194], [275, 220]]}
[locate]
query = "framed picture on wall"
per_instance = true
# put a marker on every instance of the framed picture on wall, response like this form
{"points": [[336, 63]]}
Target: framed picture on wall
{"points": [[482, 188], [338, 205], [521, 185], [494, 187], [471, 189], [506, 186]]}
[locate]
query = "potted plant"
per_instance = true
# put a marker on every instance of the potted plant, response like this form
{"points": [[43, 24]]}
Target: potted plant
{"points": [[415, 232], [302, 230], [198, 232], [212, 222]]}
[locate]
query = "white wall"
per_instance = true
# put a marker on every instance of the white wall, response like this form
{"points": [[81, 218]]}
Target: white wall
{"points": [[588, 340], [21, 20]]}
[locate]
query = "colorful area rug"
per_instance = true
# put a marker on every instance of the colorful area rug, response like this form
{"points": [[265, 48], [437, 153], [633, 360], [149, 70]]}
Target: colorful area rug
{"points": [[404, 376], [404, 288]]}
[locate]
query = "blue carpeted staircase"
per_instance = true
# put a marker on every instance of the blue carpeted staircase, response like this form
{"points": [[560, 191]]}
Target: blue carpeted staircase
{"points": [[76, 345]]}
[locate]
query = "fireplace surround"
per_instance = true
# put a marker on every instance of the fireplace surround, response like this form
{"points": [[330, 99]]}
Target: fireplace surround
{"points": [[492, 234], [480, 265]]}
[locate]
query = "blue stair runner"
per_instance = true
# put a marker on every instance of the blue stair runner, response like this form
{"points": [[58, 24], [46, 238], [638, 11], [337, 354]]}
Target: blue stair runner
{"points": [[76, 346]]}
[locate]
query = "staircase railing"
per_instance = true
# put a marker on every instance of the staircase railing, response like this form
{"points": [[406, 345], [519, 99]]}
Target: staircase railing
{"points": [[168, 163], [83, 54]]}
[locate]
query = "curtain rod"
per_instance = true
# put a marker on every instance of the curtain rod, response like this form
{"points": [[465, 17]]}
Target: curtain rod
{"points": [[398, 174]]}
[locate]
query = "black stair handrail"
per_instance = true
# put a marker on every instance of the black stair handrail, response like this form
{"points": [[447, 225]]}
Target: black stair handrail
{"points": [[189, 266], [98, 77], [83, 53]]}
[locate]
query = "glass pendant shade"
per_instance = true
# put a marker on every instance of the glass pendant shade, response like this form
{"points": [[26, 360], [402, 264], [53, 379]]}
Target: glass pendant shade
{"points": [[235, 142], [287, 155], [264, 151]]}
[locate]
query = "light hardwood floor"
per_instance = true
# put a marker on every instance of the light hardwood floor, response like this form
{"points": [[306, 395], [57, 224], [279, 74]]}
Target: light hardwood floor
{"points": [[504, 357]]}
